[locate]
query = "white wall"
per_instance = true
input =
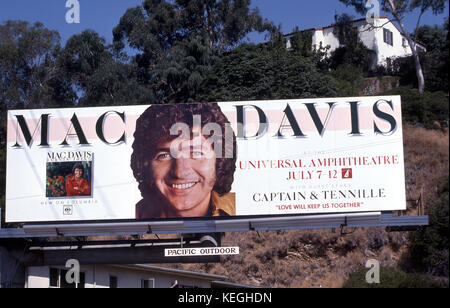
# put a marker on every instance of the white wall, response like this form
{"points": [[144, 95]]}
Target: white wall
{"points": [[327, 37], [385, 50], [98, 277], [330, 39], [372, 38], [366, 35], [37, 277]]}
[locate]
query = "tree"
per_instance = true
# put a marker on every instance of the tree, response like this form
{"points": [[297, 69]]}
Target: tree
{"points": [[352, 50], [434, 37], [399, 9], [436, 66], [100, 76], [253, 72], [178, 41], [29, 73], [30, 76], [83, 54], [344, 30], [435, 62]]}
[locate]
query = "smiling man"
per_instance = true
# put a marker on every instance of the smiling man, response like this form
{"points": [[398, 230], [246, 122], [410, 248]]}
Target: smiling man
{"points": [[183, 175]]}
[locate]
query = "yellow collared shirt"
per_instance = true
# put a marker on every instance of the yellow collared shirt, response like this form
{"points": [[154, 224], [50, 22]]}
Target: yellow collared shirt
{"points": [[223, 205]]}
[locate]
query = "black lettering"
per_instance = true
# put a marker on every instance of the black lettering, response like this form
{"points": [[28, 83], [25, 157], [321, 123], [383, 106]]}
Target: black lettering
{"points": [[78, 132], [26, 131], [99, 127], [293, 123], [240, 110], [384, 116], [355, 118], [315, 116]]}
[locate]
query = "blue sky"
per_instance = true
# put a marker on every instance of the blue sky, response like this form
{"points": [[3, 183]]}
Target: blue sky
{"points": [[103, 15]]}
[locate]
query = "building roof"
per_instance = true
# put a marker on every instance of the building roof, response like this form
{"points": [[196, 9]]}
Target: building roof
{"points": [[225, 284], [174, 271], [329, 26], [353, 21], [217, 281]]}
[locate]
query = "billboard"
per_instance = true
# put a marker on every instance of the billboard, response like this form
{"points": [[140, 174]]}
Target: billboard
{"points": [[304, 156]]}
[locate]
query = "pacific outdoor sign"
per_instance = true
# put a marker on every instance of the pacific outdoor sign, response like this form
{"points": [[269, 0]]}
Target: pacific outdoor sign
{"points": [[305, 156]]}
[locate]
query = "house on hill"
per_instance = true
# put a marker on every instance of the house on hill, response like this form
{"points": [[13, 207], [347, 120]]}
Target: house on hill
{"points": [[383, 37]]}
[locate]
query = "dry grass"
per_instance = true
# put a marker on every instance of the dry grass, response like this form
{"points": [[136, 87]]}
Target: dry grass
{"points": [[426, 162], [303, 258]]}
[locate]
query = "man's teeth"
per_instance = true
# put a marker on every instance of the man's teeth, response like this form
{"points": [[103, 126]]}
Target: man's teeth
{"points": [[183, 186]]}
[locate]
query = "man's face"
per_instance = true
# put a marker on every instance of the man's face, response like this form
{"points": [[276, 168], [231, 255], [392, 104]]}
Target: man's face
{"points": [[78, 173], [187, 178]]}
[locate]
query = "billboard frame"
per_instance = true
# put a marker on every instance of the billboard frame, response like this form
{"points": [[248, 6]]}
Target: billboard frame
{"points": [[60, 219], [194, 226]]}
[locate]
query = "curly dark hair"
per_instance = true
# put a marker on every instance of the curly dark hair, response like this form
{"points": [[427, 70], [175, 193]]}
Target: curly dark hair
{"points": [[77, 166], [153, 128]]}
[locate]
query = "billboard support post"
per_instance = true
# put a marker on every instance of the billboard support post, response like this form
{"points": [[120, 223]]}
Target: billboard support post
{"points": [[12, 268], [16, 253]]}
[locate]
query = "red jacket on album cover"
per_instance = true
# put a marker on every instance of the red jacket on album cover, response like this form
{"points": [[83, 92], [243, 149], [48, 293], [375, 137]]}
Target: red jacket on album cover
{"points": [[76, 188]]}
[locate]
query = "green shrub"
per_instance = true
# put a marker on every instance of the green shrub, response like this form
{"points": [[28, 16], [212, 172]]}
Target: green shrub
{"points": [[257, 72], [429, 109], [434, 62], [393, 278], [359, 56], [348, 79], [352, 50], [429, 246], [435, 71]]}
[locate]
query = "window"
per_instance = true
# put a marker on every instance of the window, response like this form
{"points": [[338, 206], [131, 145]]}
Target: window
{"points": [[54, 277], [82, 281], [388, 37], [147, 283], [404, 43], [58, 279], [113, 282]]}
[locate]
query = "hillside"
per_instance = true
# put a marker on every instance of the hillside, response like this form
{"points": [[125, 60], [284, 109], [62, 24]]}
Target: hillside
{"points": [[322, 258]]}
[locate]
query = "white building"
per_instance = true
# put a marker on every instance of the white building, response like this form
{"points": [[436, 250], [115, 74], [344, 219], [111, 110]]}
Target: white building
{"points": [[123, 276], [383, 37]]}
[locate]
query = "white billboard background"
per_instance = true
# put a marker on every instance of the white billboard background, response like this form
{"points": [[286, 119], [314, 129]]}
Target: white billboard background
{"points": [[379, 180], [114, 189]]}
